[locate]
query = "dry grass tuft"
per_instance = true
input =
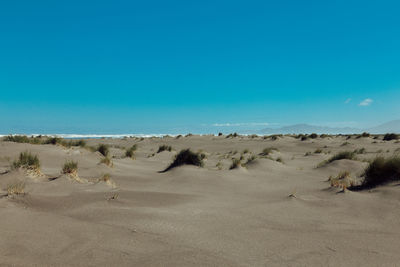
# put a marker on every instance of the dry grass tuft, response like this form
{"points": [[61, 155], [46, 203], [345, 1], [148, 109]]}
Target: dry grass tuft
{"points": [[28, 161], [70, 168], [16, 189], [107, 161]]}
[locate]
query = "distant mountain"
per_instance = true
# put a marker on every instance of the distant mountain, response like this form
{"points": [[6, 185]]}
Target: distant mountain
{"points": [[388, 127], [307, 129]]}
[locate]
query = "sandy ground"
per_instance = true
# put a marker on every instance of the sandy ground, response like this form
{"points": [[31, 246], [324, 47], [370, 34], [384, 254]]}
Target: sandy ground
{"points": [[193, 216]]}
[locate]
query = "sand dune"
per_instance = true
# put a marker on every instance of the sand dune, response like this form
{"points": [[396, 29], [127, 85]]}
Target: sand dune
{"points": [[266, 213]]}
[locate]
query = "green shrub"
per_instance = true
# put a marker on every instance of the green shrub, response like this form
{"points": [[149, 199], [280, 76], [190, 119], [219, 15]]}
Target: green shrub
{"points": [[130, 152], [313, 135], [250, 160], [186, 157], [53, 141], [164, 148], [341, 155], [103, 149], [380, 171], [27, 160], [390, 136], [304, 138], [268, 150], [70, 167], [318, 151], [22, 139], [236, 163]]}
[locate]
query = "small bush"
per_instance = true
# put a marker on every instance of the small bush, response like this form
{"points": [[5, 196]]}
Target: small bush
{"points": [[280, 160], [107, 161], [27, 160], [390, 136], [219, 165], [53, 141], [268, 150], [232, 135], [246, 151], [164, 148], [318, 151], [304, 138], [364, 135], [130, 152], [70, 167], [313, 135], [341, 155], [80, 143], [380, 171], [308, 153], [16, 189], [105, 178], [236, 163], [186, 157], [22, 139], [275, 137], [103, 149], [250, 160]]}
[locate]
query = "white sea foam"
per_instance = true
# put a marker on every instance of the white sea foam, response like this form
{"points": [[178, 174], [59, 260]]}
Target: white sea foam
{"points": [[94, 136]]}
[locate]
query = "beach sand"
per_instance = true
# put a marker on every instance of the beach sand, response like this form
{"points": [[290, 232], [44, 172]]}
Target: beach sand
{"points": [[268, 213]]}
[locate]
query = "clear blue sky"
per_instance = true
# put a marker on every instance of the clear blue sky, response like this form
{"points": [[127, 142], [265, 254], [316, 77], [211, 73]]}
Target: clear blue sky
{"points": [[167, 66]]}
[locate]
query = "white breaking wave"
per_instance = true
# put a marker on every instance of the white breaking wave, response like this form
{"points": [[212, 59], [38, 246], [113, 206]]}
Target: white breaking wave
{"points": [[94, 136]]}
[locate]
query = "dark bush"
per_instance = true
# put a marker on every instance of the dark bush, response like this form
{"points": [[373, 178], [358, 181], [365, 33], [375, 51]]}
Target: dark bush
{"points": [[390, 136], [380, 171], [164, 148], [186, 157], [103, 149]]}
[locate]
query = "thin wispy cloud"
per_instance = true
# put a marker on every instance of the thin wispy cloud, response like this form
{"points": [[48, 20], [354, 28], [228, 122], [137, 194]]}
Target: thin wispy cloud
{"points": [[366, 102], [240, 124], [348, 100]]}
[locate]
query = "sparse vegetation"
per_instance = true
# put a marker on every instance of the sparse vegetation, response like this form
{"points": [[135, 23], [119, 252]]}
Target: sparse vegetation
{"points": [[70, 167], [38, 140], [345, 144], [130, 152], [280, 160], [186, 157], [107, 161], [390, 136], [236, 163], [342, 180], [268, 150], [318, 151], [341, 155], [250, 160], [103, 149], [16, 189], [364, 135], [219, 165], [164, 148], [232, 135], [27, 160], [380, 171], [313, 135]]}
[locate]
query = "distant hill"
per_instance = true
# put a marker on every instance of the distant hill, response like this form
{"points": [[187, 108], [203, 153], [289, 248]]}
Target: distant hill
{"points": [[307, 129], [388, 127]]}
